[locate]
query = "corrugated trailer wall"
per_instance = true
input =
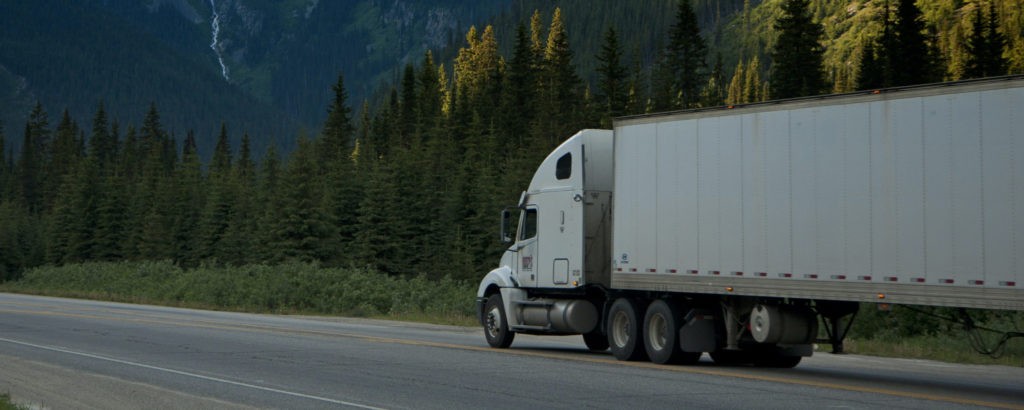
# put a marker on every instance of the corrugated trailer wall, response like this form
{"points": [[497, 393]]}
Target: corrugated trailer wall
{"points": [[916, 194]]}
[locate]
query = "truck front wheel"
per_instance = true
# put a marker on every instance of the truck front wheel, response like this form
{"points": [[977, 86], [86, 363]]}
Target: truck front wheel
{"points": [[496, 324], [624, 331]]}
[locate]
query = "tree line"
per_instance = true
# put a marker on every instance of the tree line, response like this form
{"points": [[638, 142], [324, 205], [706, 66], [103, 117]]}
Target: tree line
{"points": [[411, 186]]}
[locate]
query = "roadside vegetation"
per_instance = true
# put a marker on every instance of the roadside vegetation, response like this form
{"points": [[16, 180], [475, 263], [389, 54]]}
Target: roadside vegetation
{"points": [[7, 404], [308, 288], [289, 288]]}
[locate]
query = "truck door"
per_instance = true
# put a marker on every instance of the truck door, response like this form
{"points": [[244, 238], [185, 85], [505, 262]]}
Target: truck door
{"points": [[527, 243]]}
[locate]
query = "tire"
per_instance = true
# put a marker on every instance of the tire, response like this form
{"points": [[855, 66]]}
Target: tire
{"points": [[596, 341], [661, 335], [624, 333], [496, 323]]}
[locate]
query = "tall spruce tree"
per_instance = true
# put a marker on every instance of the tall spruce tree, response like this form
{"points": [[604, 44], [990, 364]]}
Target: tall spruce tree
{"points": [[336, 140], [985, 45], [612, 86], [796, 69], [916, 58], [685, 59]]}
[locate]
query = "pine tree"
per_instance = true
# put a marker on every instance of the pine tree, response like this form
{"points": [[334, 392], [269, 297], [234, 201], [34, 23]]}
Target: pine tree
{"points": [[337, 136], [29, 171], [302, 230], [238, 245], [916, 59], [685, 58], [220, 165], [188, 204], [714, 90], [985, 45], [870, 74], [520, 87], [612, 81], [797, 58], [102, 143]]}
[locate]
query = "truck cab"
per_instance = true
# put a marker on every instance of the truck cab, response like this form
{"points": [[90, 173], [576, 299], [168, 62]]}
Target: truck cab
{"points": [[561, 243]]}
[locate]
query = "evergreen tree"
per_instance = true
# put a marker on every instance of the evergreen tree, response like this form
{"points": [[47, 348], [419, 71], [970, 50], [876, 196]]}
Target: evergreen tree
{"points": [[985, 45], [916, 59], [685, 59], [337, 139], [63, 157], [870, 75], [302, 230], [220, 165], [561, 108], [797, 58], [102, 143], [521, 88], [29, 171], [715, 89], [238, 245], [612, 91], [188, 204]]}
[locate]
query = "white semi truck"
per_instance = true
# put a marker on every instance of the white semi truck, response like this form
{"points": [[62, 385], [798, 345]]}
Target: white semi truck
{"points": [[732, 230]]}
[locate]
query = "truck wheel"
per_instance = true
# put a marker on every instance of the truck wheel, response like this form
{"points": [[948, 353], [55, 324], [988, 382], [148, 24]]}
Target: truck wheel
{"points": [[661, 335], [596, 341], [495, 324], [624, 331]]}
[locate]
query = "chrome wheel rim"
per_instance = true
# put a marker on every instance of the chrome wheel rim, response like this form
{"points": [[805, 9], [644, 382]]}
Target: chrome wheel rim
{"points": [[620, 329]]}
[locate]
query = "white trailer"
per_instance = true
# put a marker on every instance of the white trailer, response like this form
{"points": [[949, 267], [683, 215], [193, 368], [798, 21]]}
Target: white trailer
{"points": [[731, 230]]}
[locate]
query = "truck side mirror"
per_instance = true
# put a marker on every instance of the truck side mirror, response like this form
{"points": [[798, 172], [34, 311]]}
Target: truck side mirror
{"points": [[506, 226]]}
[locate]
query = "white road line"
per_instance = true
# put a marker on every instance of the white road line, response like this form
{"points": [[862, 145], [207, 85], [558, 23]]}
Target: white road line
{"points": [[198, 376]]}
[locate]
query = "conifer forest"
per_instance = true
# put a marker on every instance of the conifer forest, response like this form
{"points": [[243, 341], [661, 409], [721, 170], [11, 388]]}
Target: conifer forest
{"points": [[410, 183]]}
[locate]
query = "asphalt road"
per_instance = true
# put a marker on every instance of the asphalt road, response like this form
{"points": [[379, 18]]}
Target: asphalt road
{"points": [[62, 353]]}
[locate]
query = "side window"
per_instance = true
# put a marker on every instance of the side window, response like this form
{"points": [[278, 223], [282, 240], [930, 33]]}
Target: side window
{"points": [[563, 169], [529, 227]]}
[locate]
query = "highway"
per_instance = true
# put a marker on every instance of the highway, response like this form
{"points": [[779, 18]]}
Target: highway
{"points": [[64, 353]]}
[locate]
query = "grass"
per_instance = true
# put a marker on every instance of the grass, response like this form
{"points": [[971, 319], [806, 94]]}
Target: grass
{"points": [[290, 288], [7, 404]]}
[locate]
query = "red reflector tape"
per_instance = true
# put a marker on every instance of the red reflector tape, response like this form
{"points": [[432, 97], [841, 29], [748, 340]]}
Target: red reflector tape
{"points": [[761, 274], [692, 271], [892, 279], [785, 275], [737, 274], [651, 270], [1007, 283], [917, 280], [811, 276], [714, 272], [618, 269], [673, 271], [976, 282], [864, 277], [839, 277], [946, 281], [632, 269]]}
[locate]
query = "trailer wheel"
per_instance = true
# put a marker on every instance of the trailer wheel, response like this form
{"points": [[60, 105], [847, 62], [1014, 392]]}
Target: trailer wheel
{"points": [[495, 323], [661, 335], [596, 341], [624, 331]]}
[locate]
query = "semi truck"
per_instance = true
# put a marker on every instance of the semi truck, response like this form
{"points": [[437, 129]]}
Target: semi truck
{"points": [[738, 231]]}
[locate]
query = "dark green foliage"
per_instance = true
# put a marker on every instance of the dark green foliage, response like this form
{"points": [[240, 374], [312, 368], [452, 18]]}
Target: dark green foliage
{"points": [[683, 66], [284, 288], [612, 85], [797, 58], [985, 45], [913, 54]]}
